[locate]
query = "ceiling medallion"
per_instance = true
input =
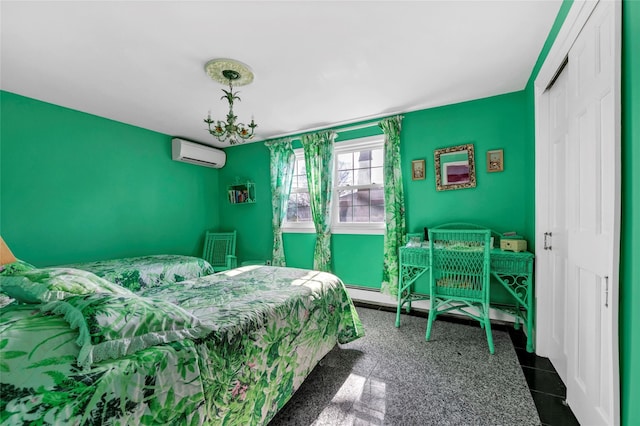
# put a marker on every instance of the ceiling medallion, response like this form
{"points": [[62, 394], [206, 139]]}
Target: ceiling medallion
{"points": [[233, 73]]}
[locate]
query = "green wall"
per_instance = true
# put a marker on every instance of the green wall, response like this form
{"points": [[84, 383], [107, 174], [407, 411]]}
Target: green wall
{"points": [[251, 221], [630, 232], [76, 187], [500, 199]]}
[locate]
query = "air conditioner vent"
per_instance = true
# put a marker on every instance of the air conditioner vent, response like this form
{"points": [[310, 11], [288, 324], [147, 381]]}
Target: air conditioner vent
{"points": [[201, 162], [201, 155]]}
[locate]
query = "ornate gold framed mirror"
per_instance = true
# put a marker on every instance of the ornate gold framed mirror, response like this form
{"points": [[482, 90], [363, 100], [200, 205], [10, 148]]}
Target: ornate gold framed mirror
{"points": [[455, 167]]}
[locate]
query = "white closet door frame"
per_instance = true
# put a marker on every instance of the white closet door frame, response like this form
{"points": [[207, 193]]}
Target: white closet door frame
{"points": [[578, 15]]}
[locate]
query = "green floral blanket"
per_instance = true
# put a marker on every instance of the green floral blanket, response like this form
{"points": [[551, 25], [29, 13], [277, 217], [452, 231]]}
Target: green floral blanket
{"points": [[136, 273], [228, 348]]}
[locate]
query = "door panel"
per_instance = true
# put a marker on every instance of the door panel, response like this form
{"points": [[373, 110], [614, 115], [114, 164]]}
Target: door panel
{"points": [[557, 256], [592, 141]]}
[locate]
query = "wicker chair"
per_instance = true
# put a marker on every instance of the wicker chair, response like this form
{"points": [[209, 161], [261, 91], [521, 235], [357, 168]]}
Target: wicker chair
{"points": [[459, 260], [220, 250]]}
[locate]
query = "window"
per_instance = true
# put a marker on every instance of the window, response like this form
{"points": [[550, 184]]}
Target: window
{"points": [[298, 208], [358, 190]]}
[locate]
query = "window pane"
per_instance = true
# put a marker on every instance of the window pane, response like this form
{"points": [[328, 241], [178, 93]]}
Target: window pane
{"points": [[303, 199], [346, 198], [377, 213], [345, 206], [345, 177], [292, 209], [361, 214], [294, 182], [361, 197], [298, 208], [362, 176], [361, 205], [304, 214], [301, 168], [362, 159], [377, 158], [345, 161], [302, 182], [346, 214], [377, 197], [376, 175], [299, 176]]}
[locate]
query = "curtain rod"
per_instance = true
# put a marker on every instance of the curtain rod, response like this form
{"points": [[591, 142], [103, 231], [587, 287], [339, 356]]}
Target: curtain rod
{"points": [[297, 134]]}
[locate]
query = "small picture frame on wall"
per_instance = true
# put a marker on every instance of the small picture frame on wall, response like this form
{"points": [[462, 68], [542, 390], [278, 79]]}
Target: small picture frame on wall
{"points": [[495, 161], [418, 170]]}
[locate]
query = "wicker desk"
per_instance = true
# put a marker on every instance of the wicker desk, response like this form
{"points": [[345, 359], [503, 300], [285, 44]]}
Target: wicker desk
{"points": [[514, 271]]}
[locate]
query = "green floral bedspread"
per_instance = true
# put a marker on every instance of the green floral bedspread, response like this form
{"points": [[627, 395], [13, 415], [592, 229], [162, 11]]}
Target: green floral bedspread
{"points": [[229, 348], [136, 273]]}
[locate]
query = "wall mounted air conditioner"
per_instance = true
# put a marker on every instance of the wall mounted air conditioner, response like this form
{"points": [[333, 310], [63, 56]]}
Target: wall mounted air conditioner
{"points": [[194, 153]]}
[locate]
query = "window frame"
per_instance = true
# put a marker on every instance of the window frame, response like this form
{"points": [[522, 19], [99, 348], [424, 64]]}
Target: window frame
{"points": [[372, 228]]}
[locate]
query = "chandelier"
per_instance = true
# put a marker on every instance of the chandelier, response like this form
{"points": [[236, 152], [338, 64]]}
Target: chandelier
{"points": [[231, 72]]}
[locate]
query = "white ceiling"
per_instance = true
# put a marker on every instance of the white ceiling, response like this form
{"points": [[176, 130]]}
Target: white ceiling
{"points": [[316, 63]]}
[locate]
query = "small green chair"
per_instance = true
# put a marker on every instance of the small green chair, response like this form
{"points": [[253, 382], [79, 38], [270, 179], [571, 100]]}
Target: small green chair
{"points": [[220, 250], [460, 275]]}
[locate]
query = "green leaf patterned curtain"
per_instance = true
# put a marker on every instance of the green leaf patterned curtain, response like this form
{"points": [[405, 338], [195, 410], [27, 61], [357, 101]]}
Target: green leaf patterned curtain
{"points": [[318, 158], [282, 164], [393, 203]]}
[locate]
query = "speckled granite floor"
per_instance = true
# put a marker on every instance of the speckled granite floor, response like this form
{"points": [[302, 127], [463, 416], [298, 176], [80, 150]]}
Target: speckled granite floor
{"points": [[392, 376]]}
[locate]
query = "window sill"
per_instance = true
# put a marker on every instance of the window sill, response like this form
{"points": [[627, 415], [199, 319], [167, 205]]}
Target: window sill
{"points": [[359, 229], [298, 230]]}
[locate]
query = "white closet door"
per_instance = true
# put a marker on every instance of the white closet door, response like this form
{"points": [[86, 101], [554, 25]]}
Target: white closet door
{"points": [[578, 210], [556, 239], [592, 375]]}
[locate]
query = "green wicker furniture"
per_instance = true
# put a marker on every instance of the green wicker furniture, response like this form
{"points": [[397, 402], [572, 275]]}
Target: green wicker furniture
{"points": [[513, 271], [416, 236], [220, 250], [414, 262], [459, 273]]}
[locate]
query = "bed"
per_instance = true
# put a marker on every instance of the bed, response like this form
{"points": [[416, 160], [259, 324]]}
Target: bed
{"points": [[227, 348], [140, 272]]}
